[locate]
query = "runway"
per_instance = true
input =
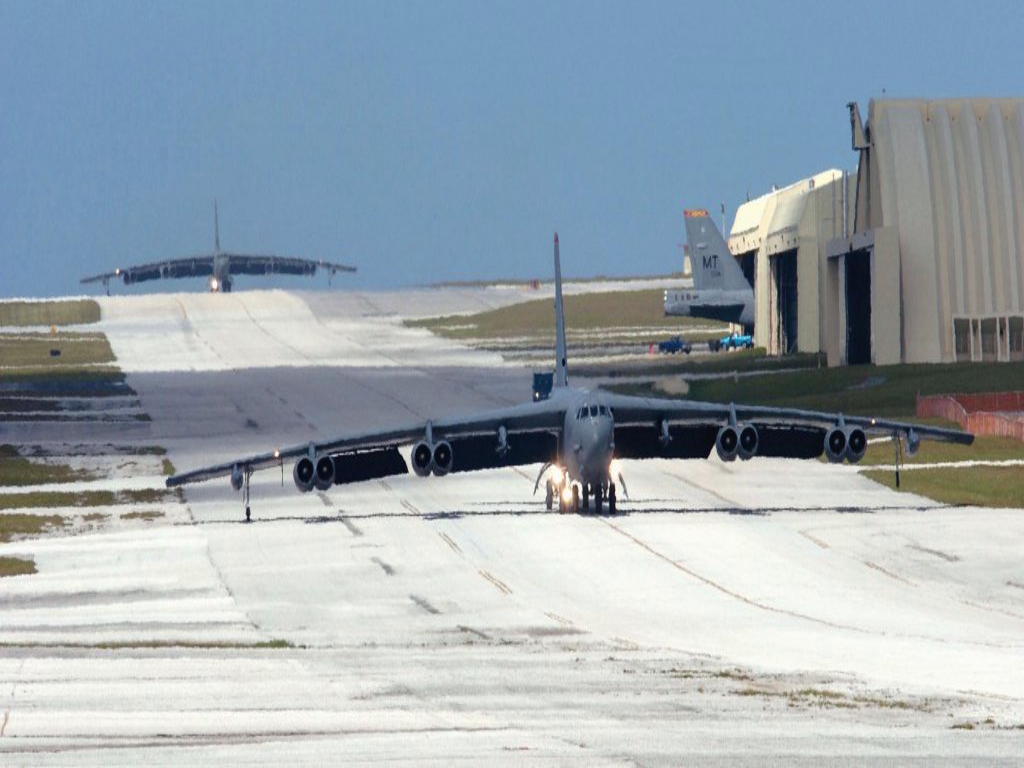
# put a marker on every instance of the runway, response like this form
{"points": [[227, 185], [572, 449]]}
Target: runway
{"points": [[731, 613]]}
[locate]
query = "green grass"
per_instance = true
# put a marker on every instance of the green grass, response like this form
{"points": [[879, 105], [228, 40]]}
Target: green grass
{"points": [[145, 516], [18, 524], [974, 486], [33, 351], [16, 566], [883, 391], [16, 470], [73, 312], [585, 312], [57, 499], [985, 448]]}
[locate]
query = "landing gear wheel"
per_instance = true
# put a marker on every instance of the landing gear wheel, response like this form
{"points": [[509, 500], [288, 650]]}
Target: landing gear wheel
{"points": [[575, 499], [598, 498], [549, 496], [586, 496], [611, 498]]}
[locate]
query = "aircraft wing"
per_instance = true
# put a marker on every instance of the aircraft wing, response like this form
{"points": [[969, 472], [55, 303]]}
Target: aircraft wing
{"points": [[248, 264], [531, 428], [192, 266], [641, 424]]}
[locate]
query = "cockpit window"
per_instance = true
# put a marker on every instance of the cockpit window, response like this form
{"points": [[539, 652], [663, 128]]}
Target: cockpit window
{"points": [[602, 410], [593, 411]]}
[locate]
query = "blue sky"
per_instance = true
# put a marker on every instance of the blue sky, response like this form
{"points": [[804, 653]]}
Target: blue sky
{"points": [[430, 141]]}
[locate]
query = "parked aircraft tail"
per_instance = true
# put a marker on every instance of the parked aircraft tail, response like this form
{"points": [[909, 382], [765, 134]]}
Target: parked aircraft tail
{"points": [[561, 373], [713, 266]]}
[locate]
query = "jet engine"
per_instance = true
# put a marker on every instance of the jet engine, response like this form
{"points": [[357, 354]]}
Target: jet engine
{"points": [[748, 441], [913, 442], [237, 478], [856, 444], [422, 458], [304, 474], [324, 476], [835, 444], [442, 458], [727, 443]]}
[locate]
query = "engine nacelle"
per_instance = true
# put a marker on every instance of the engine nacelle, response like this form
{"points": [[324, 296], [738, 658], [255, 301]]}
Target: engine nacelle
{"points": [[237, 478], [856, 444], [835, 444], [727, 443], [304, 474], [443, 458], [913, 442], [748, 442], [323, 478], [422, 458]]}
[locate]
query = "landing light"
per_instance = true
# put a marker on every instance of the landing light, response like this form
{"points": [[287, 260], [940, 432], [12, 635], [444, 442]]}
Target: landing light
{"points": [[213, 283], [556, 475], [567, 493], [277, 453]]}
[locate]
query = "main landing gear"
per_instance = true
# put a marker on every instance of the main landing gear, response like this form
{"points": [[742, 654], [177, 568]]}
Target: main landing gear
{"points": [[578, 499], [245, 494]]}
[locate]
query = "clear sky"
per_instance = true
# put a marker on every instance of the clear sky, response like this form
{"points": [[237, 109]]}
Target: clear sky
{"points": [[430, 141]]}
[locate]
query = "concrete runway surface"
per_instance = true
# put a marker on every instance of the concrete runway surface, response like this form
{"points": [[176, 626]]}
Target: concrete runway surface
{"points": [[747, 613]]}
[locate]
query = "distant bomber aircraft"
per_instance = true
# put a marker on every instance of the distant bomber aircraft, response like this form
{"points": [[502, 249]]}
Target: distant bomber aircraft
{"points": [[219, 266], [577, 435], [720, 291]]}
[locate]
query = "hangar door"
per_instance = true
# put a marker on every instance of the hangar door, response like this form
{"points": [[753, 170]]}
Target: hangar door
{"points": [[858, 307], [784, 323]]}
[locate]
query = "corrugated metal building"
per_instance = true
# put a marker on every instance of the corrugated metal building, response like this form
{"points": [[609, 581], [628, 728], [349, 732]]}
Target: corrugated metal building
{"points": [[919, 259]]}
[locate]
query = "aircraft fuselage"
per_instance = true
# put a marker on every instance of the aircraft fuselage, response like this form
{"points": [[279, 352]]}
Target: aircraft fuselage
{"points": [[588, 437], [727, 306]]}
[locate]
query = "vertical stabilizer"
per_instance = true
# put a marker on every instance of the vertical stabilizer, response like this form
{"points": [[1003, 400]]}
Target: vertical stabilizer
{"points": [[712, 264], [216, 229], [561, 373]]}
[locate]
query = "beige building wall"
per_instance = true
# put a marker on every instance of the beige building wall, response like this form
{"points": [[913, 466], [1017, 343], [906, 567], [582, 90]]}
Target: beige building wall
{"points": [[948, 177]]}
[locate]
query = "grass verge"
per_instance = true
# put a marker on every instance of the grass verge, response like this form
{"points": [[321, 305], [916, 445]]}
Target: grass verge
{"points": [[17, 470], [999, 487], [72, 312], [589, 311], [35, 350], [16, 566], [57, 499], [883, 391], [18, 524]]}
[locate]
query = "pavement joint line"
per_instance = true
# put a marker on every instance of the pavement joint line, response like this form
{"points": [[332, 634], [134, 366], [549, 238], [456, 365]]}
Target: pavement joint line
{"points": [[502, 586], [725, 590], [448, 540]]}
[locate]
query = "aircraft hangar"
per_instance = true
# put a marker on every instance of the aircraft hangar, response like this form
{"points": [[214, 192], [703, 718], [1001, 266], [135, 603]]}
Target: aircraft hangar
{"points": [[917, 257]]}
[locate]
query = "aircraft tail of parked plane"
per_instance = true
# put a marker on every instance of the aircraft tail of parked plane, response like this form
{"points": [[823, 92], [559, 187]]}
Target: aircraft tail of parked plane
{"points": [[714, 267]]}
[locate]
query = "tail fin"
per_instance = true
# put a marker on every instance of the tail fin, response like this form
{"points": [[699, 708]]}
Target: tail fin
{"points": [[561, 372], [216, 228], [712, 264]]}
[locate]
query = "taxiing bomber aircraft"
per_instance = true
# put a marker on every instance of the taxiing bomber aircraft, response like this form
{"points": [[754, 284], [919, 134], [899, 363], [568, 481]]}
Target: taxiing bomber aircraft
{"points": [[577, 435], [720, 290], [219, 267]]}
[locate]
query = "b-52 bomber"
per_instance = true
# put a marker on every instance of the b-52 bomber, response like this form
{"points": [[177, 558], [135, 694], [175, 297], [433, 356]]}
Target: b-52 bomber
{"points": [[218, 267], [578, 436]]}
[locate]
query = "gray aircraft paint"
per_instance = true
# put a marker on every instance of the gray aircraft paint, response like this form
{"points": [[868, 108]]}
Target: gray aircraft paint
{"points": [[720, 291]]}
